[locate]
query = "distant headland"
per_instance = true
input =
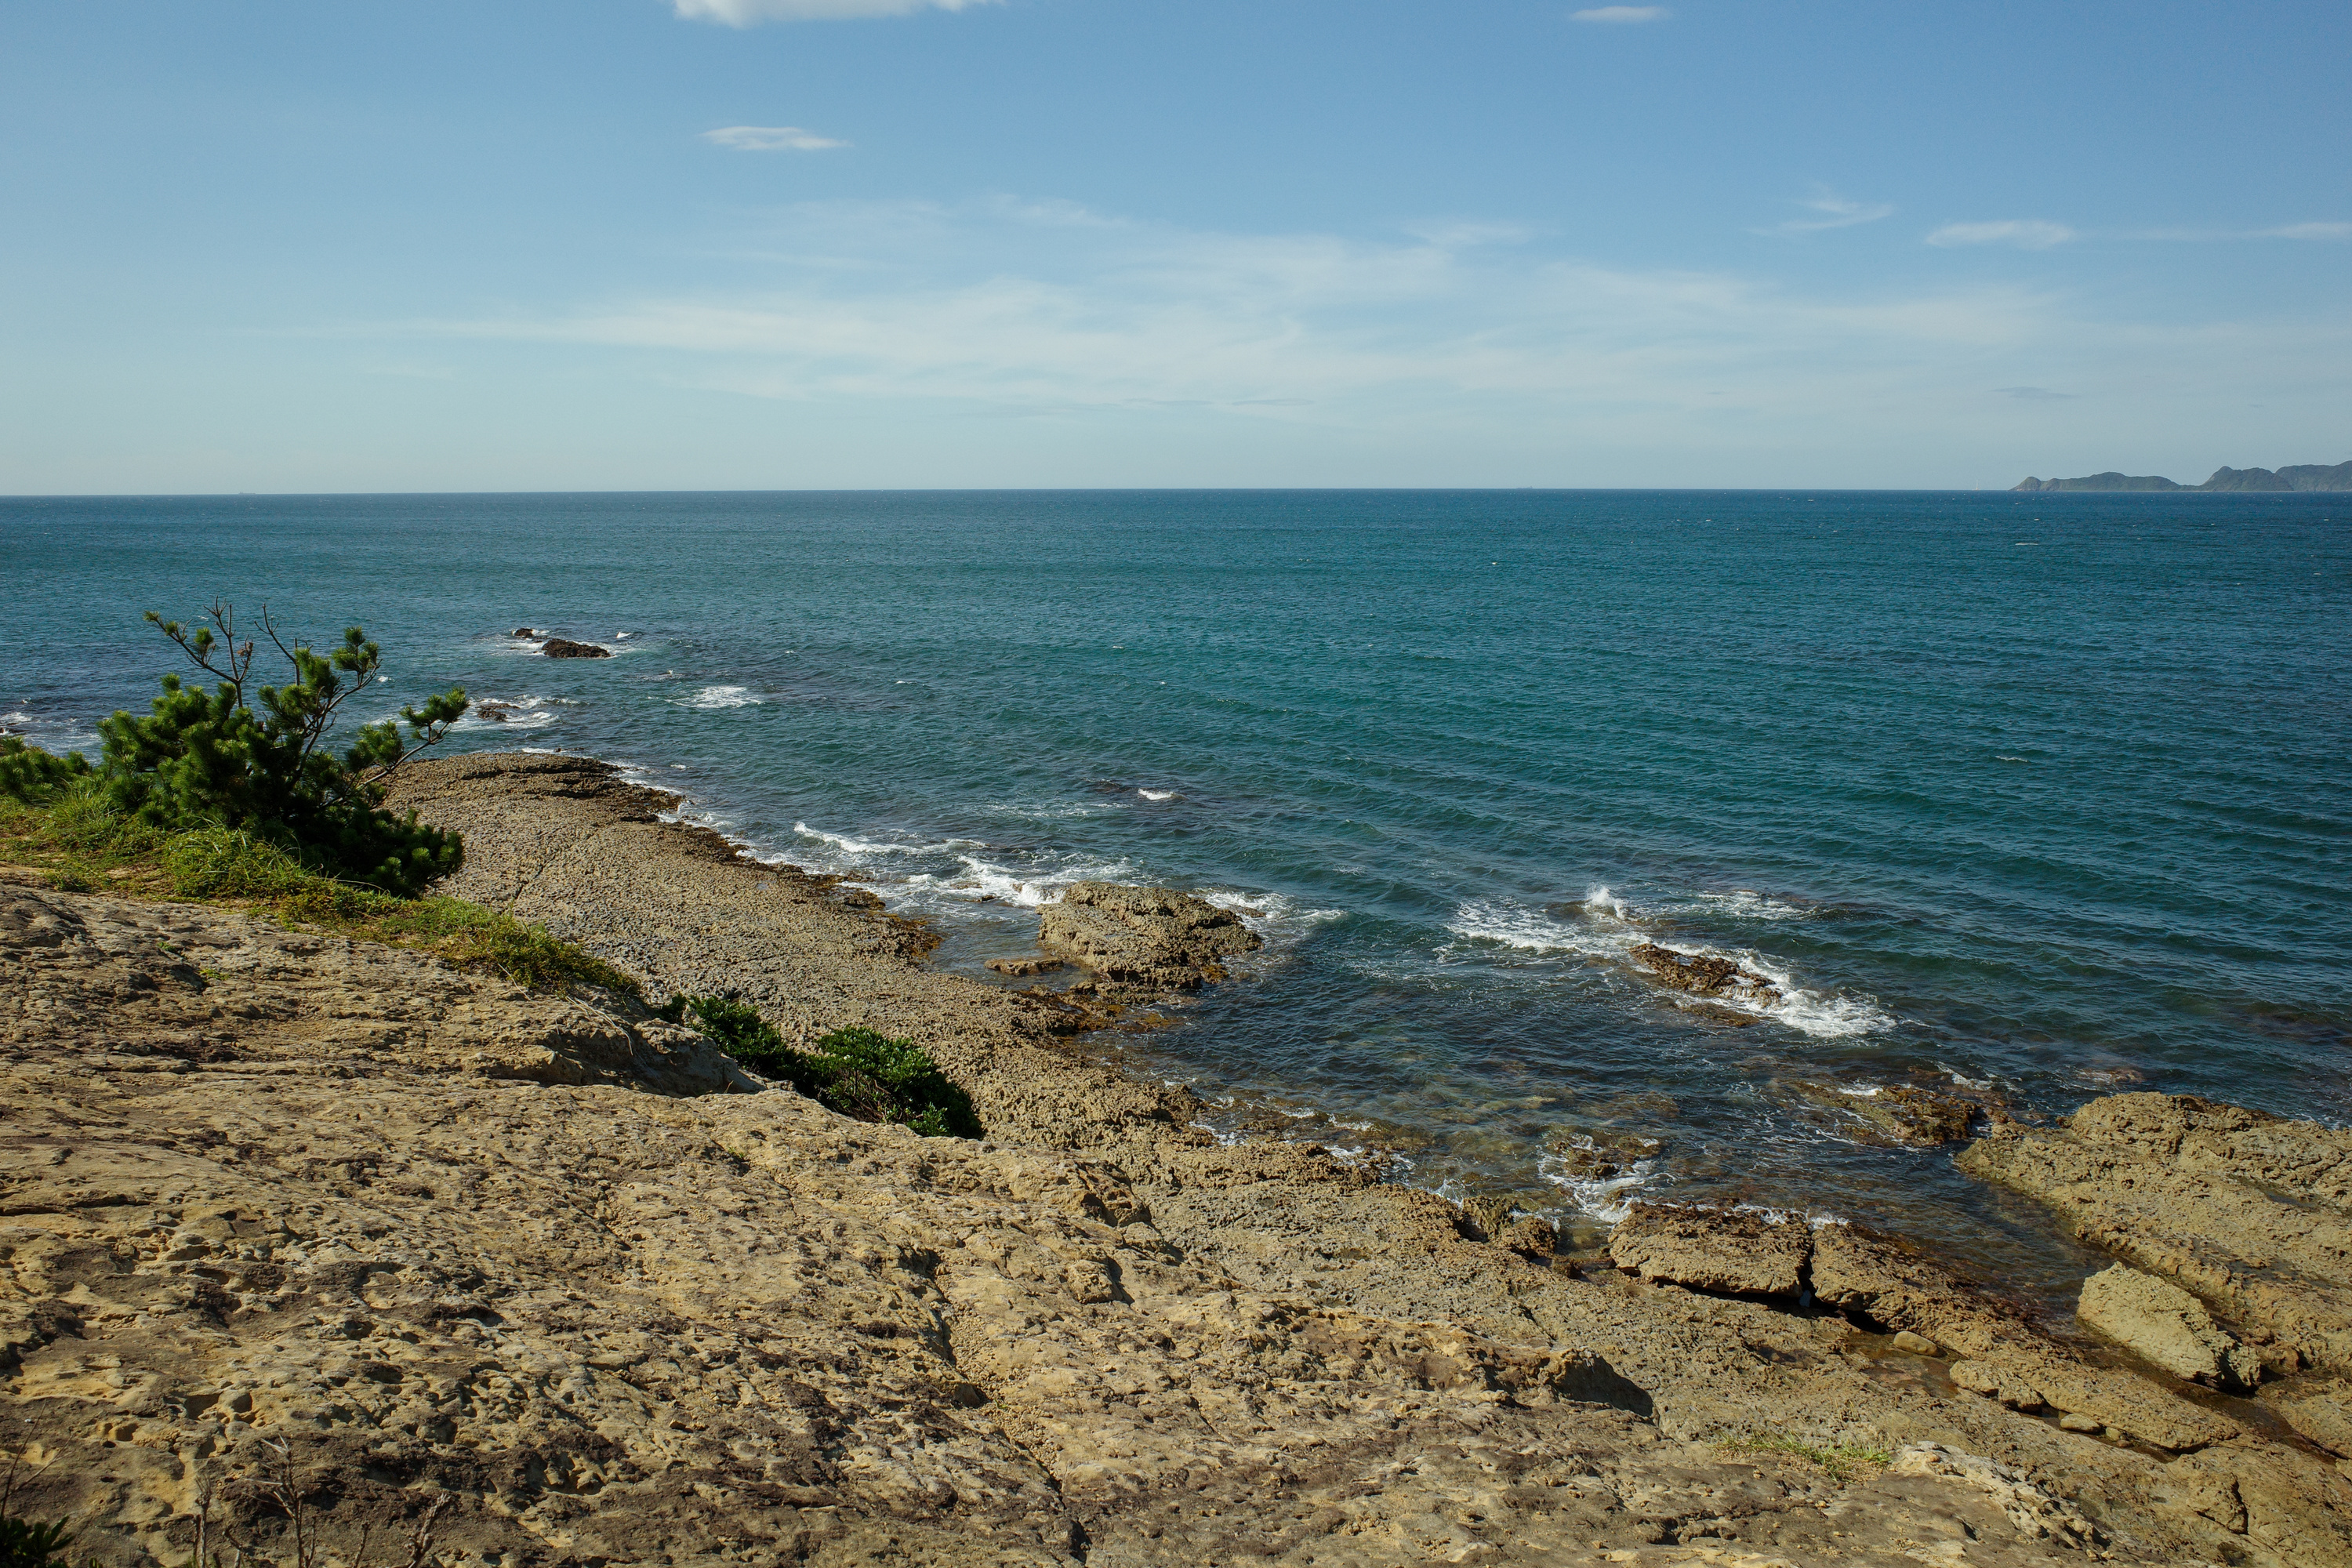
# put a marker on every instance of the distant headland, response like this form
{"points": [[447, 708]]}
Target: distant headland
{"points": [[2301, 476]]}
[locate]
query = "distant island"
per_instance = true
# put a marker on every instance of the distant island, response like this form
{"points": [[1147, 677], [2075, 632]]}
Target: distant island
{"points": [[2301, 476]]}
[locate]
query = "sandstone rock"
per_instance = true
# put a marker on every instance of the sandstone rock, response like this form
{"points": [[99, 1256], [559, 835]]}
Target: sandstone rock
{"points": [[2033, 1510], [2166, 1325], [2251, 1215], [1915, 1345], [2324, 1414], [1708, 1249], [1145, 936], [560, 647], [1703, 975]]}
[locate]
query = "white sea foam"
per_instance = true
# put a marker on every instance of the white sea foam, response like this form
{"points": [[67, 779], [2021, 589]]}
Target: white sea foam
{"points": [[1608, 1198], [723, 697], [1747, 904], [849, 844], [1612, 937], [525, 712], [1024, 888], [1157, 793], [1274, 916]]}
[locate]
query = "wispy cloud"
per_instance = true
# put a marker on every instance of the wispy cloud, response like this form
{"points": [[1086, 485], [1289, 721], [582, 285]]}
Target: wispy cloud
{"points": [[750, 13], [1622, 14], [1836, 212], [771, 139], [2026, 234], [1015, 307], [2284, 231]]}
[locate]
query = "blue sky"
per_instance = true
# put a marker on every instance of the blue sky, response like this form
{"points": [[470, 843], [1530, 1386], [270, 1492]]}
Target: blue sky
{"points": [[729, 244]]}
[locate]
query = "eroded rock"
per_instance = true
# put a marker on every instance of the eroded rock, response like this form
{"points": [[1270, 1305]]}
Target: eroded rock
{"points": [[2251, 1215], [1704, 975], [2166, 1325], [1145, 936], [563, 648], [1710, 1250]]}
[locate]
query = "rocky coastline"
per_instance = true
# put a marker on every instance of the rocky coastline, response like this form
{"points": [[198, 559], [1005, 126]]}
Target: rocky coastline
{"points": [[547, 1277]]}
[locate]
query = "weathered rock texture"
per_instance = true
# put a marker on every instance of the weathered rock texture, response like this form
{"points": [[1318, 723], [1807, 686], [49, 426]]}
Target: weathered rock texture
{"points": [[1144, 936], [561, 647], [1703, 975], [2166, 1325], [538, 1257], [2250, 1214]]}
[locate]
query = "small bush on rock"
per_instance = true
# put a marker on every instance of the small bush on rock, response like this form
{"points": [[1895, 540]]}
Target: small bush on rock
{"points": [[856, 1071]]}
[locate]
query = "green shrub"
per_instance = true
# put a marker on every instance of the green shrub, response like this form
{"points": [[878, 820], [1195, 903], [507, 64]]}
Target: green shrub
{"points": [[252, 758], [24, 1544], [856, 1071], [31, 774]]}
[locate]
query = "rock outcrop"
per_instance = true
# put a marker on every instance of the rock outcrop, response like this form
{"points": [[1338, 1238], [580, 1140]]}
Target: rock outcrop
{"points": [[563, 648], [2167, 1327], [1995, 1348], [1153, 937], [1701, 974], [2250, 1214]]}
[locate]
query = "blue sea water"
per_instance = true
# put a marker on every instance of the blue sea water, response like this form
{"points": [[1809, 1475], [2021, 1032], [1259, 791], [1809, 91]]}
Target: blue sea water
{"points": [[2042, 795]]}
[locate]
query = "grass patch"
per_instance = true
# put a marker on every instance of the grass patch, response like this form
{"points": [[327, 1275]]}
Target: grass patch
{"points": [[1842, 1461], [856, 1071], [81, 845]]}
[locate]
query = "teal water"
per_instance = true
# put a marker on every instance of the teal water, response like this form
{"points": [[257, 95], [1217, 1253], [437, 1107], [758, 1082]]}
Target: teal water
{"points": [[2043, 793]]}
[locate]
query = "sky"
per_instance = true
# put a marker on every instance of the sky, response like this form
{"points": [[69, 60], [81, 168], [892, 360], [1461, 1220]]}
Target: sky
{"points": [[585, 245]]}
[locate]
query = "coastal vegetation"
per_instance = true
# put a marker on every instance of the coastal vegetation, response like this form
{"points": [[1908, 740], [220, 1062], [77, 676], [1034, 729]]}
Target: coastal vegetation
{"points": [[253, 759], [79, 841], [858, 1072]]}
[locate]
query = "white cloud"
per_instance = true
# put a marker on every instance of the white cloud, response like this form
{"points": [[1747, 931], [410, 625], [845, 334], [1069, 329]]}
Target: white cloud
{"points": [[1835, 211], [749, 12], [2308, 231], [1622, 14], [2026, 234], [1015, 309], [771, 139]]}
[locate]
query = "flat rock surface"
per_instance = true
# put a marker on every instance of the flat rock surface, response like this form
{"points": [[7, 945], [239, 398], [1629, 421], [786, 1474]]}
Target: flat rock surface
{"points": [[549, 1261]]}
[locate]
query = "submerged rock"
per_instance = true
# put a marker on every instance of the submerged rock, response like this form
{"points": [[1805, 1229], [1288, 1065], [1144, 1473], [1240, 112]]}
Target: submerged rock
{"points": [[1902, 1113], [1145, 936], [2166, 1325], [1703, 975], [1021, 967], [559, 647]]}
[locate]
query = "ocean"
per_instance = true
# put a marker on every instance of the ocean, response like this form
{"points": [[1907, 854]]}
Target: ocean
{"points": [[2033, 796]]}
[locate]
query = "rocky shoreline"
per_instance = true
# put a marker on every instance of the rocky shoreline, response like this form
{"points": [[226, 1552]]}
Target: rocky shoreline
{"points": [[548, 1272]]}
